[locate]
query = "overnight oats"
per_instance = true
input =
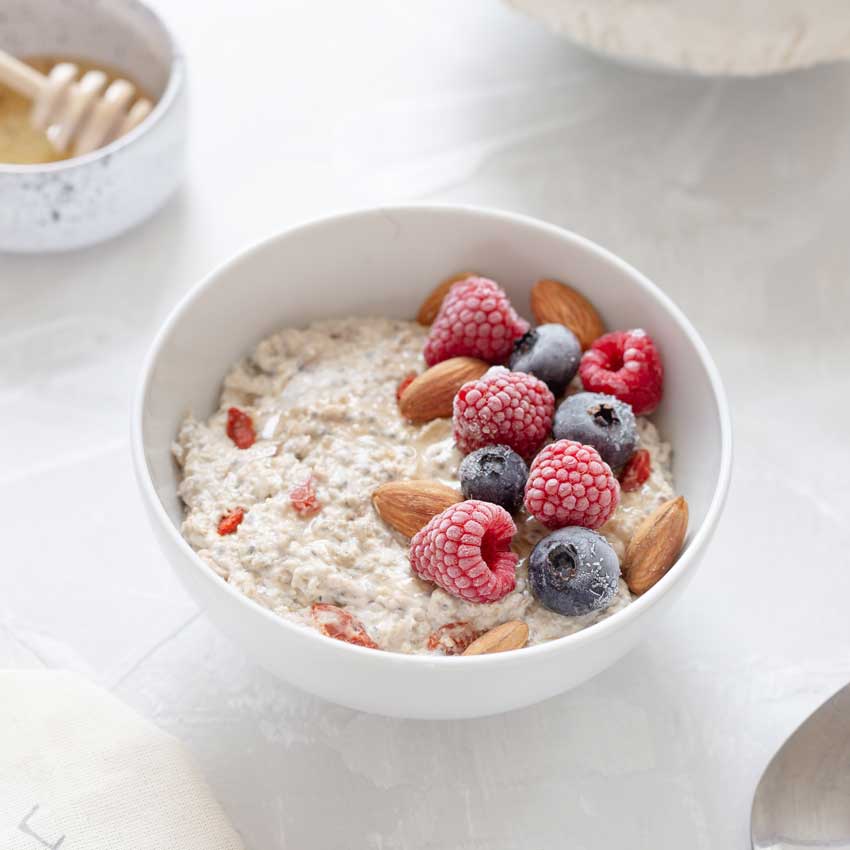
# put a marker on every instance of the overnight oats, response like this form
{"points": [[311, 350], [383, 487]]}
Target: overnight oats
{"points": [[463, 483]]}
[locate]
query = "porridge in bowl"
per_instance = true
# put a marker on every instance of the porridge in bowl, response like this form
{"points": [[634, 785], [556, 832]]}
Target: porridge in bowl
{"points": [[335, 444]]}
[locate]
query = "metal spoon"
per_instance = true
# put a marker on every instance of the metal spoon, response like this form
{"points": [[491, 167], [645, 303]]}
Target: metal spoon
{"points": [[803, 798]]}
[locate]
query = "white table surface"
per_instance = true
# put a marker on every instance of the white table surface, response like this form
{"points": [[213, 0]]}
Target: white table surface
{"points": [[732, 195]]}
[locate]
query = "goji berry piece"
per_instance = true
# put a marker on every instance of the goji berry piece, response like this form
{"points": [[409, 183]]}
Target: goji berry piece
{"points": [[304, 498], [453, 638], [230, 521], [405, 382], [337, 623], [636, 472], [240, 428]]}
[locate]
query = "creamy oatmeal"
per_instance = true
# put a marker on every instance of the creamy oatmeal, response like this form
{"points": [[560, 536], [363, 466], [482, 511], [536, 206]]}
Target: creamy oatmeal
{"points": [[323, 402]]}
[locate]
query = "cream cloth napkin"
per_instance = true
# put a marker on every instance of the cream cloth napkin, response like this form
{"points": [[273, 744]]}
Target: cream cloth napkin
{"points": [[81, 771]]}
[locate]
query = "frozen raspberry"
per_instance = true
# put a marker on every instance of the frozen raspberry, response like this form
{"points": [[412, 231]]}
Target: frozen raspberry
{"points": [[570, 484], [476, 319], [453, 638], [304, 498], [466, 550], [231, 521], [512, 409], [337, 623], [625, 364], [240, 428], [636, 472]]}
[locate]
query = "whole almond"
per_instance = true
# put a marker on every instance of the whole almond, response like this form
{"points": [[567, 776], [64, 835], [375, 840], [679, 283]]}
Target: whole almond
{"points": [[408, 505], [430, 395], [431, 305], [655, 545], [511, 635], [556, 302]]}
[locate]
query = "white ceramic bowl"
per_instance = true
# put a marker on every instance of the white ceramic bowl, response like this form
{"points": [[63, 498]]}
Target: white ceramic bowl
{"points": [[708, 37], [383, 262], [80, 201]]}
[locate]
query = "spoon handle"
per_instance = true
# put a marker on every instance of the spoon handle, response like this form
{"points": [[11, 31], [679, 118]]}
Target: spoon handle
{"points": [[20, 76]]}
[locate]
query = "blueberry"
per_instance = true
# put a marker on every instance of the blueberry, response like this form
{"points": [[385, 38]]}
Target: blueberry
{"points": [[574, 571], [549, 352], [601, 421], [494, 474]]}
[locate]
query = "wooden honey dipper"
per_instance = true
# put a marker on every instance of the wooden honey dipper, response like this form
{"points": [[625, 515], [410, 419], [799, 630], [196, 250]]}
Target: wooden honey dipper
{"points": [[83, 114]]}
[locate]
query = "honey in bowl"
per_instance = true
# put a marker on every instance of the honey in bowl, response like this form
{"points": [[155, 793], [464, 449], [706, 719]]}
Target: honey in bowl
{"points": [[20, 142]]}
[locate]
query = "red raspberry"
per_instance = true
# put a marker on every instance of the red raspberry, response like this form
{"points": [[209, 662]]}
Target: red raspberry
{"points": [[625, 364], [240, 428], [508, 408], [304, 499], [636, 472], [570, 484], [336, 622], [231, 521], [466, 550], [476, 319]]}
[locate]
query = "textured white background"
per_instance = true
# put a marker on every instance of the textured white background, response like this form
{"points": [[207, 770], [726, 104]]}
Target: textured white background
{"points": [[732, 195]]}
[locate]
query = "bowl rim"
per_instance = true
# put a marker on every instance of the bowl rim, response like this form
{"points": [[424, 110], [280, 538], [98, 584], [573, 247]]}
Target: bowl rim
{"points": [[597, 631], [173, 85]]}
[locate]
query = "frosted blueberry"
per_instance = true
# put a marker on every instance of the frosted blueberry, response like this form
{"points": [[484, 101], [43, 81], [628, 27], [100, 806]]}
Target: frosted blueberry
{"points": [[573, 571], [494, 474], [549, 352], [601, 421]]}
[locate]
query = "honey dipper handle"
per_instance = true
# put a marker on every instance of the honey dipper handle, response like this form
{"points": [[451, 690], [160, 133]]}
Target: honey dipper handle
{"points": [[20, 76]]}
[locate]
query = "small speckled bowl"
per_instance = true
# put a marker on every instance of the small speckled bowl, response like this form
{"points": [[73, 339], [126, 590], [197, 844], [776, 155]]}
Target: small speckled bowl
{"points": [[80, 201]]}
